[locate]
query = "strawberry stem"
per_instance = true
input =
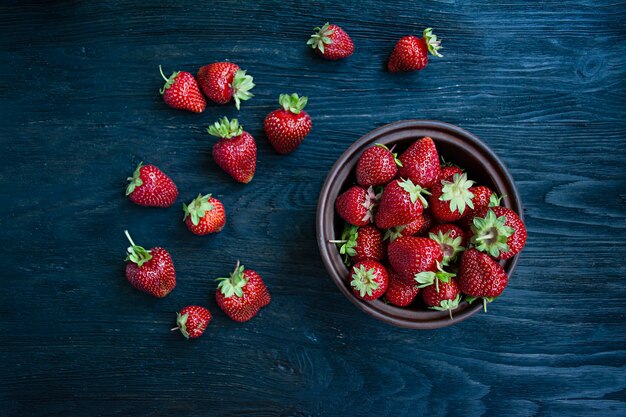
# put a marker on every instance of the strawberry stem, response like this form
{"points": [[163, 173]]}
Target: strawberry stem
{"points": [[130, 239], [162, 75]]}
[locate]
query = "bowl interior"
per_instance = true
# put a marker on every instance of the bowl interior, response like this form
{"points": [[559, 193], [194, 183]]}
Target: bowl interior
{"points": [[455, 145]]}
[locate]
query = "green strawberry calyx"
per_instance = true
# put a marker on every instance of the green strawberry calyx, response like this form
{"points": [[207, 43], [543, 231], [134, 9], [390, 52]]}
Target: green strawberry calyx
{"points": [[234, 284], [364, 280], [470, 299], [225, 129], [292, 102], [448, 305], [450, 247], [181, 324], [393, 233], [433, 44], [495, 199], [198, 207], [348, 242], [242, 84], [394, 154], [135, 180], [415, 191], [457, 193], [371, 201], [321, 37], [136, 253], [427, 278], [491, 234], [168, 81]]}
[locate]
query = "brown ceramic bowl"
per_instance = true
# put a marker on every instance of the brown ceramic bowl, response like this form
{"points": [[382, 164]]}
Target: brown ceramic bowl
{"points": [[455, 145]]}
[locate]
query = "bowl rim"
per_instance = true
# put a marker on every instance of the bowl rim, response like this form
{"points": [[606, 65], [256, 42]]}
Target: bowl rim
{"points": [[390, 314]]}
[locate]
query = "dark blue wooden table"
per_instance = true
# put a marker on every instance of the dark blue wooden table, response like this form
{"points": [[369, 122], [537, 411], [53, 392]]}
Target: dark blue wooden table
{"points": [[543, 83]]}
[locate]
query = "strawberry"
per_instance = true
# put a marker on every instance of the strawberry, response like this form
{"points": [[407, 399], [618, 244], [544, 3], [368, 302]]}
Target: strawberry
{"points": [[481, 277], [356, 205], [286, 128], [399, 292], [451, 238], [235, 151], [361, 243], [411, 52], [442, 297], [377, 165], [447, 171], [411, 255], [151, 271], [483, 197], [369, 280], [150, 187], [192, 321], [449, 199], [423, 223], [181, 91], [223, 81], [401, 203], [204, 215], [420, 163], [499, 232], [242, 295], [331, 42]]}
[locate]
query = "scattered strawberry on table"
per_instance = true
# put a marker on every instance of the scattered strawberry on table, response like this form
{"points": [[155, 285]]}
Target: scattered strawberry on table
{"points": [[205, 214], [192, 321], [242, 294], [411, 52], [150, 187], [235, 151], [151, 271], [287, 127], [222, 82], [331, 42], [181, 91], [431, 231]]}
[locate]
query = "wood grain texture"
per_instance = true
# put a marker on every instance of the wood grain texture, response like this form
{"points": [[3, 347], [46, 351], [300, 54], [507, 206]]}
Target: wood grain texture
{"points": [[543, 83]]}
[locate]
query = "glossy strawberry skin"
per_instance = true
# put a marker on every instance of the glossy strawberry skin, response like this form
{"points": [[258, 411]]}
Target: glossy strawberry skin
{"points": [[369, 244], [286, 130], [396, 207], [409, 54], [447, 291], [255, 296], [451, 230], [381, 278], [399, 292], [420, 163], [517, 240], [156, 277], [353, 206], [411, 255], [376, 166], [341, 46], [481, 200], [216, 81], [157, 189], [423, 223], [213, 220], [480, 276], [237, 156], [184, 94], [448, 172], [197, 320]]}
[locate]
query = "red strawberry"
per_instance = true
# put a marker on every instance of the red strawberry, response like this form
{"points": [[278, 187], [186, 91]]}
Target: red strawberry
{"points": [[204, 215], [483, 197], [331, 42], [223, 81], [369, 280], [242, 295], [481, 277], [499, 232], [411, 255], [235, 151], [444, 296], [420, 163], [401, 203], [286, 128], [399, 292], [151, 271], [448, 171], [181, 91], [450, 199], [149, 186], [416, 227], [356, 205], [411, 52], [361, 243], [192, 321], [377, 165], [451, 238]]}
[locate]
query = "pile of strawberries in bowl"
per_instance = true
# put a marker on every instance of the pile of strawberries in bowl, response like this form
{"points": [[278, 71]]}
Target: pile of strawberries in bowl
{"points": [[418, 233]]}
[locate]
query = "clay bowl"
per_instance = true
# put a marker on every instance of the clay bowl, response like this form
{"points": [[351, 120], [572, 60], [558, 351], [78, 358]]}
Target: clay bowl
{"points": [[455, 145]]}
